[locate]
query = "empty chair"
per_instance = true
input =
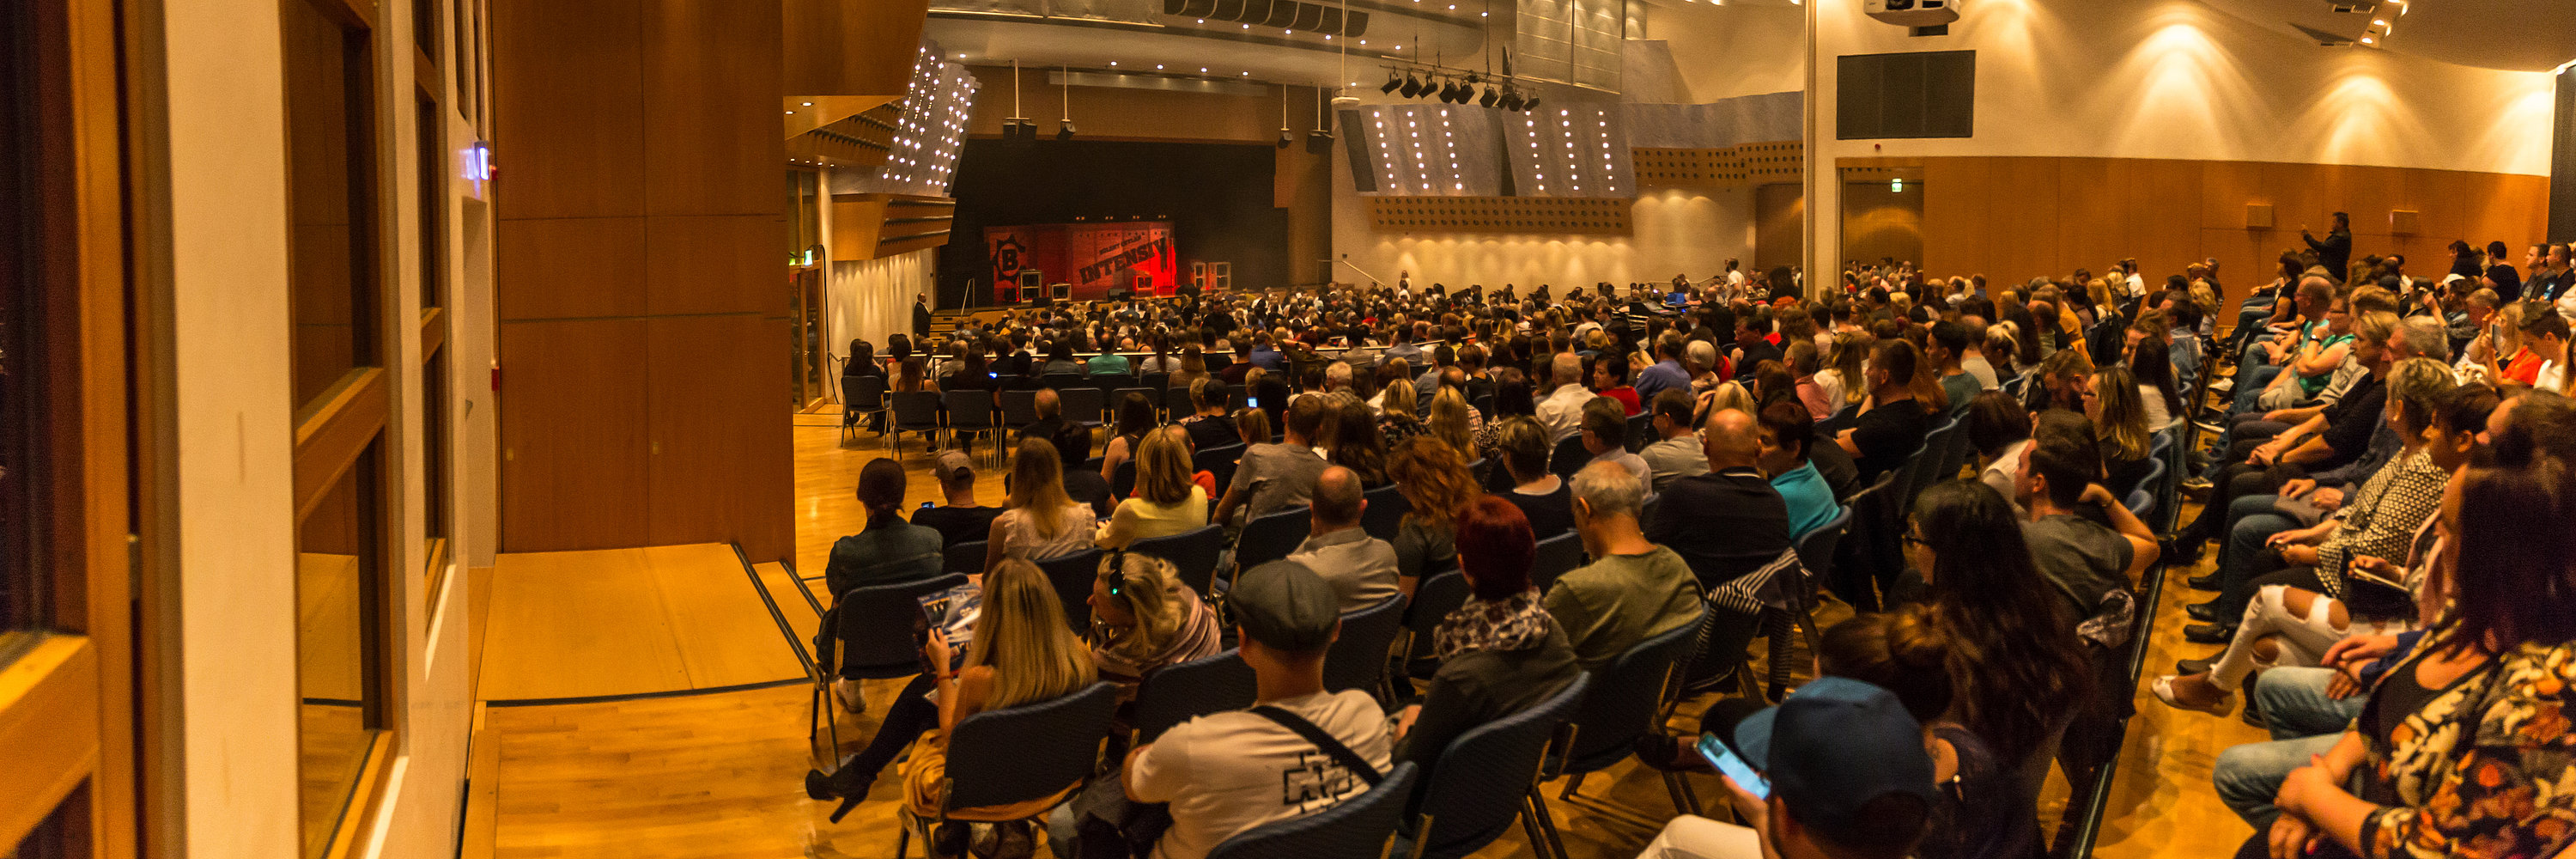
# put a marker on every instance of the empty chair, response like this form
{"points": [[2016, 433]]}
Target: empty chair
{"points": [[1160, 382], [1176, 403], [1358, 826], [1061, 381], [1641, 430], [915, 412], [860, 395], [1019, 409], [868, 632], [1486, 780], [1181, 691], [1385, 512], [970, 413], [1218, 462], [1193, 553], [1557, 556], [1072, 575], [1358, 657], [1625, 699], [1019, 754], [967, 557], [1119, 394], [1271, 537], [1083, 406], [1569, 457]]}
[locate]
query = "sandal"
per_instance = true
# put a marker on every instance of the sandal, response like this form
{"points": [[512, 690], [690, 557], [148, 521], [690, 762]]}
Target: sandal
{"points": [[2164, 691]]}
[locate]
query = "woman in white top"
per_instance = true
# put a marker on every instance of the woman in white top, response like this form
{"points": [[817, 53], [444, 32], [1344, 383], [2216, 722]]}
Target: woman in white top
{"points": [[1166, 501], [1999, 430], [1040, 522]]}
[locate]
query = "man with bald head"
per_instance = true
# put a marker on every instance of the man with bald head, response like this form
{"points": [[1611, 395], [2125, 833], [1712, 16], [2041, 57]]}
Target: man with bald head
{"points": [[1729, 521], [1561, 412], [1361, 568]]}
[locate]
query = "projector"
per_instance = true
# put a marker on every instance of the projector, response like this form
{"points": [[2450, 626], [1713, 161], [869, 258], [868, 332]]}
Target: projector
{"points": [[1912, 13]]}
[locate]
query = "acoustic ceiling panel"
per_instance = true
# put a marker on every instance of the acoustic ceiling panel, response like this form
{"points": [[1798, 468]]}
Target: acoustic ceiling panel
{"points": [[1580, 150]]}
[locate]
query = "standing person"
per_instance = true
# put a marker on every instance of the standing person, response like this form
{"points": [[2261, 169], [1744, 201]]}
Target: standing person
{"points": [[921, 316], [2334, 252]]}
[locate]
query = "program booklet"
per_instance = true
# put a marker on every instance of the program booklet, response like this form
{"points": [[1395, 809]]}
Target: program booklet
{"points": [[951, 613]]}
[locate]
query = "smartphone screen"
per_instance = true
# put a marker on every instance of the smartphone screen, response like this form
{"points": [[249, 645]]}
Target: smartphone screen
{"points": [[1733, 765], [1252, 402]]}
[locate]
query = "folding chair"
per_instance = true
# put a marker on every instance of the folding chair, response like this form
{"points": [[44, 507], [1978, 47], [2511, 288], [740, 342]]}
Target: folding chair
{"points": [[1488, 779], [1017, 754], [869, 636], [1072, 576], [915, 412], [1194, 553], [1557, 556], [1357, 659], [861, 395], [1626, 697], [1385, 512], [967, 557], [1270, 538], [1177, 693], [1358, 826]]}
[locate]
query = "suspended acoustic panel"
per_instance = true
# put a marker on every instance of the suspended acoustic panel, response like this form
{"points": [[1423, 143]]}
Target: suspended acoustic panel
{"points": [[1500, 215], [1720, 167], [1295, 15]]}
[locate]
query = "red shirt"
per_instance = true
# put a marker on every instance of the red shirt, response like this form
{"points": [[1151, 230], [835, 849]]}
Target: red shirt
{"points": [[1627, 397]]}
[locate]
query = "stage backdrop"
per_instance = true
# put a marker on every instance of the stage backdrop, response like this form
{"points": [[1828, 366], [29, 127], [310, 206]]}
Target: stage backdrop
{"points": [[1095, 258], [1218, 201]]}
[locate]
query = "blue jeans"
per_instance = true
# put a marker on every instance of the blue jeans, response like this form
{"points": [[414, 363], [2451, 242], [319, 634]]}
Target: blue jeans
{"points": [[2251, 379], [2303, 721]]}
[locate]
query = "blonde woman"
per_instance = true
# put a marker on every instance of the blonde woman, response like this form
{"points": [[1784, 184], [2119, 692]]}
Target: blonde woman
{"points": [[1454, 421], [1022, 653], [1166, 501], [1039, 522], [1193, 367], [1728, 395], [1143, 618], [1396, 419], [1841, 378], [2119, 425]]}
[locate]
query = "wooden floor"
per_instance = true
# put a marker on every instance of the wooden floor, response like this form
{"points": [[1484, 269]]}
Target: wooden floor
{"points": [[719, 774], [627, 622]]}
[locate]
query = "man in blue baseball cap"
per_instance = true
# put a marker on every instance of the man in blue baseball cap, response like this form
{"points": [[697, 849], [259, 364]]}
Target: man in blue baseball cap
{"points": [[1849, 779]]}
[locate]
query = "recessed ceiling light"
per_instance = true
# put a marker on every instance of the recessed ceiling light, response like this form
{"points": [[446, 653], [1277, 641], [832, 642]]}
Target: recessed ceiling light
{"points": [[809, 104]]}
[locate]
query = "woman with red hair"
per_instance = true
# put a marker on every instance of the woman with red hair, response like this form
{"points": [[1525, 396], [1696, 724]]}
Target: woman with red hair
{"points": [[1500, 653]]}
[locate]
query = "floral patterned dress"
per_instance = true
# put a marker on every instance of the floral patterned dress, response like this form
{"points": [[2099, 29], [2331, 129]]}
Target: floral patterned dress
{"points": [[2487, 768]]}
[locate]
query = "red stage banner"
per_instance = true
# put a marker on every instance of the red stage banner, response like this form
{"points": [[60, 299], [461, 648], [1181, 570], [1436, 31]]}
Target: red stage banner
{"points": [[1094, 258]]}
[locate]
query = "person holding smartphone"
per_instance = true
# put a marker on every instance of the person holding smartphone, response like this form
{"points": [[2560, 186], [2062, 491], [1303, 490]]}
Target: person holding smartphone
{"points": [[1840, 771]]}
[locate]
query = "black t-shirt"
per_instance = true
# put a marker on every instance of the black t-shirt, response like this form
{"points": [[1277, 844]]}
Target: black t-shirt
{"points": [[1207, 432], [1887, 435], [2351, 421], [1724, 524], [957, 524], [1550, 514]]}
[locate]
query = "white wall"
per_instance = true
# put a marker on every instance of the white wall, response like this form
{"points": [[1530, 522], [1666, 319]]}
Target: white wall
{"points": [[2181, 79], [872, 299], [1722, 52]]}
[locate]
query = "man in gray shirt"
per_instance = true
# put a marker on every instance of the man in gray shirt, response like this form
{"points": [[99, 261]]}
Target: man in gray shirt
{"points": [[1275, 477], [1605, 435], [1361, 568], [1678, 454]]}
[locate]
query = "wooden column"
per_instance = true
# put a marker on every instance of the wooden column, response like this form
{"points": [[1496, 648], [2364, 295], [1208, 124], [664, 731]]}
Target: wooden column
{"points": [[642, 280]]}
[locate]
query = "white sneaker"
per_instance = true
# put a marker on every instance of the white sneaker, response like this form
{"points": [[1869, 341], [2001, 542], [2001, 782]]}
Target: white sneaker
{"points": [[851, 698]]}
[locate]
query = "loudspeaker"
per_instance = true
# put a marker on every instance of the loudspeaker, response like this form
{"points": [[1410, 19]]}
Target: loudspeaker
{"points": [[1061, 291], [2404, 222], [2258, 216]]}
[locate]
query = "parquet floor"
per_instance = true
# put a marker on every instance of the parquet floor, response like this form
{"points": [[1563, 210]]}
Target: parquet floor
{"points": [[719, 775]]}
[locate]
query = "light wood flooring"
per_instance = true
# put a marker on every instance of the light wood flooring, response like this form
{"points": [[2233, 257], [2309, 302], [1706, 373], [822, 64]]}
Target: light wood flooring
{"points": [[720, 774], [626, 622]]}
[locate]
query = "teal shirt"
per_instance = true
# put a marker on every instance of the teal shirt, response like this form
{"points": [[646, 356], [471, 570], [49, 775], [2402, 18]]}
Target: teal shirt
{"points": [[1109, 365], [1811, 501]]}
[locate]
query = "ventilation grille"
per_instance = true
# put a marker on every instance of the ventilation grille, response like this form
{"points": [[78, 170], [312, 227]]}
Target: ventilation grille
{"points": [[1728, 167], [1500, 215]]}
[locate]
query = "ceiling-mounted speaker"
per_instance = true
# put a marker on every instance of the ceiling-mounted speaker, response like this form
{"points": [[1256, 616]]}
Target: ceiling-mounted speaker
{"points": [[2405, 222]]}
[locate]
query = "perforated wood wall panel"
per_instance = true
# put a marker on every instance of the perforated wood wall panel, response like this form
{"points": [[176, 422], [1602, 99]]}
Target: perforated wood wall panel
{"points": [[1726, 167], [1500, 215]]}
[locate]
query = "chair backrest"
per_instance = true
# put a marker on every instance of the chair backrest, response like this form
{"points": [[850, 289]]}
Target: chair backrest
{"points": [[971, 409], [915, 409], [1358, 826], [874, 625], [1176, 402], [1218, 462], [1816, 549], [1061, 381], [1160, 382], [1272, 537], [1385, 512], [1477, 789], [1434, 598], [1194, 553], [1557, 556], [1032, 751], [1840, 420], [1019, 408], [1641, 430], [1082, 405], [1625, 698], [1119, 394], [864, 393], [967, 557], [1358, 657], [1072, 576], [1569, 457], [1122, 480], [1178, 692]]}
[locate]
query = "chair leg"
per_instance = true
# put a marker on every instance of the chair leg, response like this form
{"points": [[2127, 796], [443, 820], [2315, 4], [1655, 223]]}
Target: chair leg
{"points": [[902, 837], [1685, 801], [1546, 826]]}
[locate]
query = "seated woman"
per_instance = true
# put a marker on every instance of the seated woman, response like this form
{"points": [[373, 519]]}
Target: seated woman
{"points": [[1511, 399], [1396, 419], [1500, 653], [2289, 625], [1352, 441], [1167, 501], [1135, 419], [1437, 485], [2461, 749], [1610, 379], [2120, 422], [1999, 430], [1544, 498], [1143, 618], [1039, 522], [1022, 653]]}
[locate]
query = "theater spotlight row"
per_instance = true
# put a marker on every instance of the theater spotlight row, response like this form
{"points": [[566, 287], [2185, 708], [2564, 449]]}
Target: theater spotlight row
{"points": [[1459, 89]]}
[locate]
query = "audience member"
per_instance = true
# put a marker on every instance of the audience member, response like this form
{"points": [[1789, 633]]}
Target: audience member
{"points": [[1892, 424], [1361, 568], [1562, 411], [1677, 452], [1166, 502], [1605, 436], [1545, 500], [1275, 477], [1634, 589], [2083, 559], [1144, 618], [1786, 435], [1039, 522], [1850, 779], [1500, 653], [961, 519], [1437, 489]]}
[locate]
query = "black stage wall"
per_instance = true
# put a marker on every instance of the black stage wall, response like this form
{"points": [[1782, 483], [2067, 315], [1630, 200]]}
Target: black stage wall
{"points": [[1218, 197]]}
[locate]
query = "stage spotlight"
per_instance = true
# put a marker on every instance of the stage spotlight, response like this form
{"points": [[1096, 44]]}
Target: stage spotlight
{"points": [[1412, 86], [1511, 99], [1530, 105], [1064, 131], [1448, 91], [1286, 137], [1491, 95], [1391, 82]]}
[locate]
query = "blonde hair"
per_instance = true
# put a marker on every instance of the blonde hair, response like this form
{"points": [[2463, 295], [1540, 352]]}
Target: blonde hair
{"points": [[1850, 349], [1449, 421], [1399, 399], [1147, 584], [1163, 467], [2123, 426], [1037, 486], [1023, 637], [1731, 395]]}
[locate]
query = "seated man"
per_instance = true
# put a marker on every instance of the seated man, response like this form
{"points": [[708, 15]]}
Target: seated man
{"points": [[1786, 435], [961, 520], [1633, 590], [1223, 773], [2061, 472], [1726, 525], [1275, 477], [1678, 453], [1850, 779], [1605, 436], [1892, 424], [1361, 568]]}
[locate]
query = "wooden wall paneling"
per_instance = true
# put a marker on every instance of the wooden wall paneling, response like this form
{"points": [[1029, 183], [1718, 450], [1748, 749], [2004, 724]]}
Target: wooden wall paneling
{"points": [[1779, 224], [2226, 187], [856, 219], [2094, 224], [1956, 192], [572, 434], [721, 462], [835, 47], [551, 268], [714, 264], [2246, 260], [1882, 224], [2162, 207], [2369, 193], [2024, 215], [567, 86], [711, 78], [2306, 196], [2438, 196], [2510, 209]]}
